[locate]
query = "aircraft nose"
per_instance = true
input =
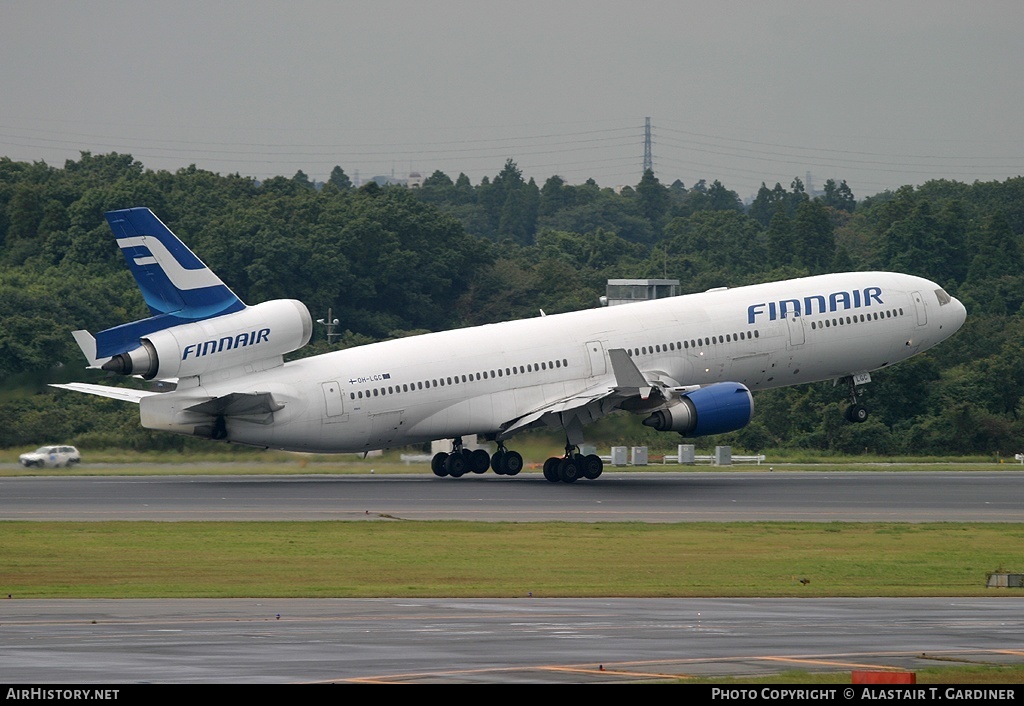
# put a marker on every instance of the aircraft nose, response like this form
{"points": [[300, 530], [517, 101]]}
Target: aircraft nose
{"points": [[958, 314]]}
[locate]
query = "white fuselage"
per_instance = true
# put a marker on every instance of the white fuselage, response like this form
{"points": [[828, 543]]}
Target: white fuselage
{"points": [[479, 380]]}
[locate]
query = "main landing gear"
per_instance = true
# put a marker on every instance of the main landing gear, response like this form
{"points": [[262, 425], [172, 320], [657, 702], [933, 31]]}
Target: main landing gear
{"points": [[461, 461], [573, 466], [856, 412]]}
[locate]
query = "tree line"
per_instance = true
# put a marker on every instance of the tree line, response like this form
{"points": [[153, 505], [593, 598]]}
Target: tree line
{"points": [[391, 261]]}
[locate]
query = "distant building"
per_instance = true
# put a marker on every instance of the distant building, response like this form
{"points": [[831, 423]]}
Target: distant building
{"points": [[627, 291], [414, 181], [387, 181]]}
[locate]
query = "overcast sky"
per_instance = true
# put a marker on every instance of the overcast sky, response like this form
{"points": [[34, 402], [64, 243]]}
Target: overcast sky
{"points": [[879, 93]]}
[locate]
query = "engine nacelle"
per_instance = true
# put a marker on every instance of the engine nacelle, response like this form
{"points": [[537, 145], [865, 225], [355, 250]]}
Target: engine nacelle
{"points": [[256, 333], [713, 409]]}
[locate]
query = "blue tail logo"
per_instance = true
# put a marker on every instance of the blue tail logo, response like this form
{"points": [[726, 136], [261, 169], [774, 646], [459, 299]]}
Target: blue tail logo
{"points": [[177, 286]]}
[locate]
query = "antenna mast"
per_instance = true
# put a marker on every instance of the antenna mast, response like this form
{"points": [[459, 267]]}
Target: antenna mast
{"points": [[648, 158]]}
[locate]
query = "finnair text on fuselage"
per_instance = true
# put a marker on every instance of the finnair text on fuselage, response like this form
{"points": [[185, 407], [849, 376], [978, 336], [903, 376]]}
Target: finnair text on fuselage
{"points": [[816, 304], [226, 343]]}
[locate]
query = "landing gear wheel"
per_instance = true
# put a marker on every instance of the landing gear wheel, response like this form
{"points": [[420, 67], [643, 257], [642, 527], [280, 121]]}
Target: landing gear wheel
{"points": [[513, 463], [592, 466], [857, 413], [568, 469], [498, 461], [479, 461], [437, 464], [551, 469], [455, 465]]}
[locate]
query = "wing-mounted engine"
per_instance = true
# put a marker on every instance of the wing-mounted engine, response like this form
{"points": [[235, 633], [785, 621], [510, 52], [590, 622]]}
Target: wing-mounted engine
{"points": [[712, 409], [260, 332]]}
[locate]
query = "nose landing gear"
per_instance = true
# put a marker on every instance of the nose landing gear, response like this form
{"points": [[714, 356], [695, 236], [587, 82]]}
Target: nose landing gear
{"points": [[857, 412]]}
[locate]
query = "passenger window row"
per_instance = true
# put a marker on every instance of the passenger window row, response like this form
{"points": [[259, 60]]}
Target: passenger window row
{"points": [[459, 379], [857, 318], [693, 343]]}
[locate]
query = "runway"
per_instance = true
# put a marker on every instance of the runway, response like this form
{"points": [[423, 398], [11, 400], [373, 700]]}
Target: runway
{"points": [[520, 640], [549, 641], [976, 496]]}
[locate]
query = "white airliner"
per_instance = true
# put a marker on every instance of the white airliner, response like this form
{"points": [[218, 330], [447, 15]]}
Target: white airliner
{"points": [[688, 362]]}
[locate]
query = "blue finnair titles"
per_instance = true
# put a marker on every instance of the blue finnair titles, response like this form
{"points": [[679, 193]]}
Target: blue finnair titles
{"points": [[816, 304], [177, 286], [226, 343]]}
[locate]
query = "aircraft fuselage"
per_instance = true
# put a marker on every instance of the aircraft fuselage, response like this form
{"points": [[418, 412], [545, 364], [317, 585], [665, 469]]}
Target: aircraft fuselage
{"points": [[475, 380]]}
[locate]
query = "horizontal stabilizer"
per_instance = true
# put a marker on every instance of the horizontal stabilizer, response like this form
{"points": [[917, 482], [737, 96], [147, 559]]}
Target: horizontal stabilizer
{"points": [[125, 394], [87, 342], [238, 404]]}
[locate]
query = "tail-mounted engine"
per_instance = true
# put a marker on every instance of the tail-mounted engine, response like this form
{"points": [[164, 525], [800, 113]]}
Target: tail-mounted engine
{"points": [[256, 333], [713, 409]]}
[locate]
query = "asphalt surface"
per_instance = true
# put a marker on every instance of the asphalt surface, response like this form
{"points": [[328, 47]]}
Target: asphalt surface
{"points": [[492, 641], [520, 640], [634, 497]]}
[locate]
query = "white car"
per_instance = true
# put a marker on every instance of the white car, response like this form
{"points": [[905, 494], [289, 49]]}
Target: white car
{"points": [[51, 457]]}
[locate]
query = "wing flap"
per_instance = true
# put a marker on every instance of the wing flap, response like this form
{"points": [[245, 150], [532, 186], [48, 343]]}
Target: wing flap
{"points": [[239, 404], [589, 405], [592, 404]]}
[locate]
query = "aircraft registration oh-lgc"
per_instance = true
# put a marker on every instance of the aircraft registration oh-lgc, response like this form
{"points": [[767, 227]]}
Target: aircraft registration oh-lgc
{"points": [[689, 363]]}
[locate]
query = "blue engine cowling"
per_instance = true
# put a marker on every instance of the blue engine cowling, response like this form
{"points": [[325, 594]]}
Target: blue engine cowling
{"points": [[713, 409]]}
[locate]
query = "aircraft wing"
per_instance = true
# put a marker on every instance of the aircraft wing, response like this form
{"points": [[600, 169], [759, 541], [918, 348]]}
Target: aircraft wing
{"points": [[124, 394], [586, 407], [591, 404]]}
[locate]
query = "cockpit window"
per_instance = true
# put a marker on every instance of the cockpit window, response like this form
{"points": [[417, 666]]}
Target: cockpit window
{"points": [[943, 298]]}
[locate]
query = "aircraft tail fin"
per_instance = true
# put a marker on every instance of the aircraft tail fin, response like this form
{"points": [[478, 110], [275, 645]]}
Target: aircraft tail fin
{"points": [[171, 277], [177, 286]]}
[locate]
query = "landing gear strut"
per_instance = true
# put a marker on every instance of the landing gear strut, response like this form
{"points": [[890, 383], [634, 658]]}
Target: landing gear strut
{"points": [[856, 412], [505, 462]]}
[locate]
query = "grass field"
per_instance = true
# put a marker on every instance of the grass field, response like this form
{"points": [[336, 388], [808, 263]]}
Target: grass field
{"points": [[468, 559]]}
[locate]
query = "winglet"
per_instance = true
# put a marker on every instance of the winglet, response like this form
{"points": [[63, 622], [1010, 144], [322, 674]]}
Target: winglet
{"points": [[627, 375]]}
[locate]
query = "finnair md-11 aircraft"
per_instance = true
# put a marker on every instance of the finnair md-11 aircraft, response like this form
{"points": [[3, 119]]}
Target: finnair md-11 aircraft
{"points": [[688, 363]]}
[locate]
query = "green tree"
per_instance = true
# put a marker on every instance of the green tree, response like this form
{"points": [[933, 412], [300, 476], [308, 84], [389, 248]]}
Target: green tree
{"points": [[839, 196], [437, 188], [555, 196], [654, 199], [302, 180], [339, 179], [914, 244], [782, 246], [813, 239], [723, 199], [511, 204]]}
